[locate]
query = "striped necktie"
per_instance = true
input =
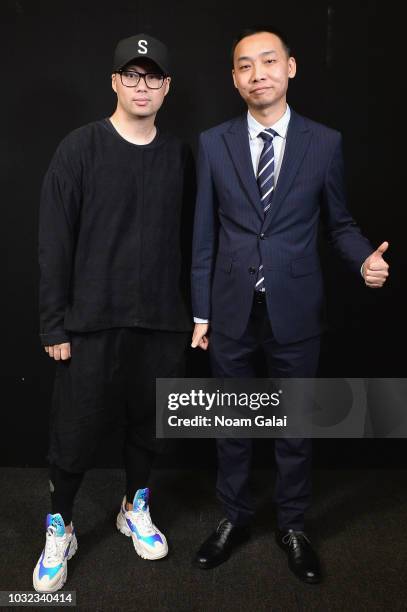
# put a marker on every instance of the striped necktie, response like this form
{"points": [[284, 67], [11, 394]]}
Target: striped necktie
{"points": [[265, 181]]}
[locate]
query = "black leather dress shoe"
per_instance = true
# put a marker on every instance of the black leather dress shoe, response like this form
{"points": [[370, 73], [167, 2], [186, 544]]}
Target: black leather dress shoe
{"points": [[302, 559], [219, 546]]}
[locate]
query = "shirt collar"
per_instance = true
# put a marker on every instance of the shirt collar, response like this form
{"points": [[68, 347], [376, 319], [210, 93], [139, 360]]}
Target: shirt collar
{"points": [[279, 126]]}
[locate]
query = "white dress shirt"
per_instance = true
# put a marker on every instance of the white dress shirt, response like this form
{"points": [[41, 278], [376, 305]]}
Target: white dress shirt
{"points": [[256, 141]]}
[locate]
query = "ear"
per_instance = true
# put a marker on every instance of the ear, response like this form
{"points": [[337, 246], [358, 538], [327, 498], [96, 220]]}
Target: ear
{"points": [[167, 85], [234, 77], [292, 67], [114, 86]]}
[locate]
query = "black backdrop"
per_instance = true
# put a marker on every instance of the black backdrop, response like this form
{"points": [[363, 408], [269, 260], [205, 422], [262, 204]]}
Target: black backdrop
{"points": [[56, 59]]}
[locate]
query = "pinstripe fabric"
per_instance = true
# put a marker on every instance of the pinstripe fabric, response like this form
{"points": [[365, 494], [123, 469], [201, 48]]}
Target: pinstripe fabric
{"points": [[229, 220]]}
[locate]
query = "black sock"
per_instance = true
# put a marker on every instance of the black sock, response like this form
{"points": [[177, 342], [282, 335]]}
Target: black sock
{"points": [[138, 463]]}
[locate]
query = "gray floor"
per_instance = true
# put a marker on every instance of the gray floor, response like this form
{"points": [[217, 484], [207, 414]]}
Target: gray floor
{"points": [[358, 523]]}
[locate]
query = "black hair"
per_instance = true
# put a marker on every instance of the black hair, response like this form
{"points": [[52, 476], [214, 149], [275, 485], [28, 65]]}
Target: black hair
{"points": [[257, 30], [137, 60]]}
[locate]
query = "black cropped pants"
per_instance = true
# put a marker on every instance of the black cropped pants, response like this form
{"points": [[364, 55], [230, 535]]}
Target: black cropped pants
{"points": [[108, 381]]}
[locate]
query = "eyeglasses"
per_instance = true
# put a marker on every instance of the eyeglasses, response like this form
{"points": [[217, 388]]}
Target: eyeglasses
{"points": [[130, 78]]}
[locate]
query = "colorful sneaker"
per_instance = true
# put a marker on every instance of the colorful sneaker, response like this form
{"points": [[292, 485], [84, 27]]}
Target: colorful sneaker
{"points": [[148, 541], [51, 570]]}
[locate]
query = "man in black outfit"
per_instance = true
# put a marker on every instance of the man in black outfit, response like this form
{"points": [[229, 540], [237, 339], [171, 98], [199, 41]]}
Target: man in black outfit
{"points": [[114, 253]]}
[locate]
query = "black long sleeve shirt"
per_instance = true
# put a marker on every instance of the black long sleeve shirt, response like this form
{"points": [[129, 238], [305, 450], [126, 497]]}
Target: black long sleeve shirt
{"points": [[114, 234]]}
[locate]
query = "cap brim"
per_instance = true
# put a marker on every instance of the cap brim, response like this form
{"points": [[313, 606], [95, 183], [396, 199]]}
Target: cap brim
{"points": [[135, 60]]}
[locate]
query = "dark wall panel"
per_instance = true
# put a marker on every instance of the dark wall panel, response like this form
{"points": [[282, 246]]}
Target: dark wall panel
{"points": [[56, 59]]}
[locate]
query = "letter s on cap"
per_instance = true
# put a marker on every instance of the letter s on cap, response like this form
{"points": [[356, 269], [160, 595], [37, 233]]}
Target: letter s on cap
{"points": [[142, 46]]}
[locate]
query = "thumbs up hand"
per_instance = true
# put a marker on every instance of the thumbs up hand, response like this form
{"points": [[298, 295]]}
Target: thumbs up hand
{"points": [[375, 270]]}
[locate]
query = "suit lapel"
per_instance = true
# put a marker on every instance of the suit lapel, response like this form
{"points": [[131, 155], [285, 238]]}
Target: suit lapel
{"points": [[298, 139], [237, 142]]}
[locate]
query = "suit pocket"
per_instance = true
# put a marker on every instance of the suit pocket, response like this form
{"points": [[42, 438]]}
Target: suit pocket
{"points": [[305, 265], [224, 261]]}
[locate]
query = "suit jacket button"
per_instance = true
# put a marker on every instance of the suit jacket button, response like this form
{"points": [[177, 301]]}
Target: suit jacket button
{"points": [[262, 236], [252, 270]]}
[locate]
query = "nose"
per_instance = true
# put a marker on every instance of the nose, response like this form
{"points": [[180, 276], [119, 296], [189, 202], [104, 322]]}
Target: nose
{"points": [[141, 85], [257, 73]]}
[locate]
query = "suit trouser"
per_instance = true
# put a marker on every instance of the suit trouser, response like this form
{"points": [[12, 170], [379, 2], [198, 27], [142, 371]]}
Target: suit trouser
{"points": [[109, 381], [233, 358]]}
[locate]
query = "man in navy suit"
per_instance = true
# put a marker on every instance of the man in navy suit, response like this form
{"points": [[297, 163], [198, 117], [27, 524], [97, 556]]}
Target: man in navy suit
{"points": [[265, 180]]}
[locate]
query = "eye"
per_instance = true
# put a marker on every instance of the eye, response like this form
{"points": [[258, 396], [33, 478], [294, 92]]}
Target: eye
{"points": [[270, 61], [130, 75], [244, 66]]}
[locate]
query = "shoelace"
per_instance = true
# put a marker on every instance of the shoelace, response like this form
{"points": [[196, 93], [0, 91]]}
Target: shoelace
{"points": [[293, 537], [52, 550], [143, 516], [223, 527]]}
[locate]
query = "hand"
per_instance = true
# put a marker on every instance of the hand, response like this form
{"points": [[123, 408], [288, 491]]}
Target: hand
{"points": [[59, 351], [199, 337], [375, 269]]}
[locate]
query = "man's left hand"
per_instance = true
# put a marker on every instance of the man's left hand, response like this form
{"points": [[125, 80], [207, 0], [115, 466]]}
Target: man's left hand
{"points": [[375, 270]]}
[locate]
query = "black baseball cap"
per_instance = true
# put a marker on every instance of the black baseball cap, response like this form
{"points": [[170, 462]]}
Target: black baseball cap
{"points": [[141, 46]]}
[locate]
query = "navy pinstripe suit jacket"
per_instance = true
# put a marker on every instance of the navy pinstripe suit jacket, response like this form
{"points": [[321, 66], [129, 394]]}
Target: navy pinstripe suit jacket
{"points": [[231, 231]]}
